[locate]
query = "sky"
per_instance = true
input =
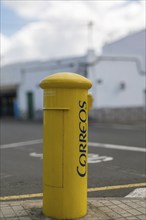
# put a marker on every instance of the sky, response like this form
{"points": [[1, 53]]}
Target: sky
{"points": [[41, 29]]}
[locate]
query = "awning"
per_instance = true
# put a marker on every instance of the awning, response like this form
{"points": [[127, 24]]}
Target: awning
{"points": [[5, 89]]}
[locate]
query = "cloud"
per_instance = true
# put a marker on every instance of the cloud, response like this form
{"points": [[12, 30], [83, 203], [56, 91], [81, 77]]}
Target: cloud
{"points": [[41, 41], [5, 43], [59, 28], [64, 10], [28, 9], [49, 10]]}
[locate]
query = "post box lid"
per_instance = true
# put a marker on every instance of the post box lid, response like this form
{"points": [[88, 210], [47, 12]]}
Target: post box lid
{"points": [[65, 80]]}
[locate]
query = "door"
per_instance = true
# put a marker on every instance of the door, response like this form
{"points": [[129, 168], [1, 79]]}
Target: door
{"points": [[30, 105]]}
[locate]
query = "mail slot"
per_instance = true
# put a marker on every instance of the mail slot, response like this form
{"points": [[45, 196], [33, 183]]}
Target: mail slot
{"points": [[65, 146]]}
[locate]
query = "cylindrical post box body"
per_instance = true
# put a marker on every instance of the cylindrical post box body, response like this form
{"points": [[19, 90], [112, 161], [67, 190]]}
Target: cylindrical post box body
{"points": [[90, 101], [65, 145]]}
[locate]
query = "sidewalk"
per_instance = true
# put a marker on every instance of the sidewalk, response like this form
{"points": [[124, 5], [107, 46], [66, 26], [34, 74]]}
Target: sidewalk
{"points": [[98, 208]]}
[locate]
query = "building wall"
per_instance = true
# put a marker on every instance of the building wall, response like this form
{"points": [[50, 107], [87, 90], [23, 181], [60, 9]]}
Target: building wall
{"points": [[122, 61], [31, 84], [28, 75], [132, 45], [116, 83], [118, 90]]}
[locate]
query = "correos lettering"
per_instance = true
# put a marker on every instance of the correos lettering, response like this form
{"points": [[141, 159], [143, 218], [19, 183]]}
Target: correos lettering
{"points": [[81, 168]]}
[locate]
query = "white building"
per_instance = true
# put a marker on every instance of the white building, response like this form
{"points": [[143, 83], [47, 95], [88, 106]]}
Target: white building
{"points": [[119, 85], [20, 94], [118, 82], [119, 88], [134, 45]]}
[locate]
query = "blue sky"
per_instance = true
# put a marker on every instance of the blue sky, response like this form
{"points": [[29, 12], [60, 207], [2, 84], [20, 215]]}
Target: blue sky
{"points": [[11, 21], [48, 29]]}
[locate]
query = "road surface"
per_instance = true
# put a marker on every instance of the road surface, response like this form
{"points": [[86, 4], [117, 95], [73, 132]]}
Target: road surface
{"points": [[116, 158]]}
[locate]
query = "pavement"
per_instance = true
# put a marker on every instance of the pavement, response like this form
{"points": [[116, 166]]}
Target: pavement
{"points": [[98, 208]]}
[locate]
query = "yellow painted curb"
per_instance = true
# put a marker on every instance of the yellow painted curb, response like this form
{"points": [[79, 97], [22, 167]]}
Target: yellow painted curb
{"points": [[26, 196], [116, 187], [39, 195]]}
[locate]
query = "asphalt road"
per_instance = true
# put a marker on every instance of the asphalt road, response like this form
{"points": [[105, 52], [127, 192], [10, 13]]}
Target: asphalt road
{"points": [[109, 165]]}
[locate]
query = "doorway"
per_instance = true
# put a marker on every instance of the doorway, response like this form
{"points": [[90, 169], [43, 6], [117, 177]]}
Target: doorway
{"points": [[7, 103], [30, 105]]}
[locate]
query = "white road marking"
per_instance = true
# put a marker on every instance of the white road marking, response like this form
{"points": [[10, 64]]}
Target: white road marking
{"points": [[92, 158], [3, 176], [34, 154], [91, 144], [140, 192], [117, 147], [95, 158], [21, 144]]}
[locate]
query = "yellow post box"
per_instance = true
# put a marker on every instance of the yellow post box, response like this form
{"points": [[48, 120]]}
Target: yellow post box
{"points": [[65, 145], [90, 101]]}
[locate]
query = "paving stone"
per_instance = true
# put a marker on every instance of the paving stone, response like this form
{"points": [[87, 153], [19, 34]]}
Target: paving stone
{"points": [[21, 213], [114, 215], [6, 209], [120, 210], [3, 205], [8, 212], [98, 209], [134, 205], [116, 202], [105, 202], [105, 209], [112, 207], [123, 206], [142, 217], [126, 214], [132, 218], [134, 212], [142, 210], [17, 208], [15, 218], [93, 202], [120, 219], [27, 218], [1, 214], [142, 203]]}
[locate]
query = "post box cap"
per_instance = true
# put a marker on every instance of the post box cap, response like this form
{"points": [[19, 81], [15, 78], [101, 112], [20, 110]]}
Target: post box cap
{"points": [[65, 80]]}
